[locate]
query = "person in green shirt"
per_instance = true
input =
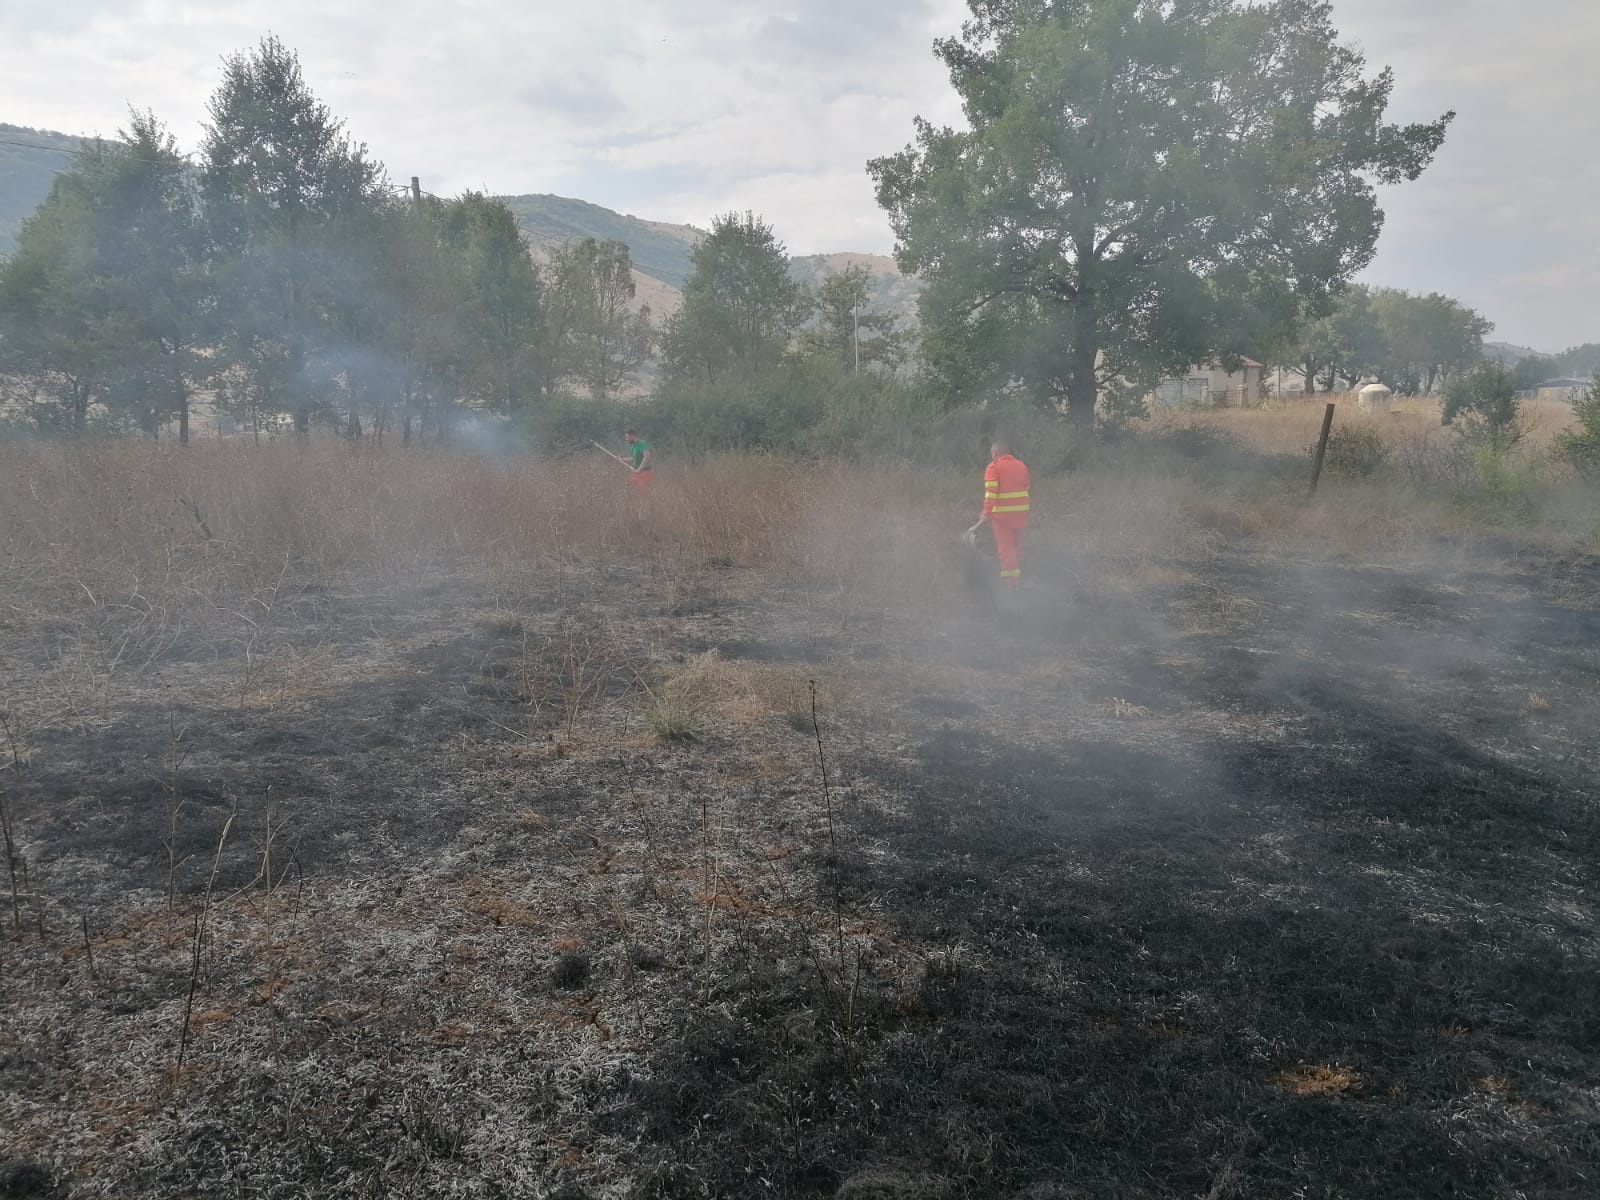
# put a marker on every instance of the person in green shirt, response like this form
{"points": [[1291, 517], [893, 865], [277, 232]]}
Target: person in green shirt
{"points": [[641, 459]]}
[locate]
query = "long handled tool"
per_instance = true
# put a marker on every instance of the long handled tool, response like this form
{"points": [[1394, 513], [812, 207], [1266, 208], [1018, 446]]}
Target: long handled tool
{"points": [[608, 454]]}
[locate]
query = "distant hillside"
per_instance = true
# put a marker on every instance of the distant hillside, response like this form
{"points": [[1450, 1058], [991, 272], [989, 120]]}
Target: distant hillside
{"points": [[890, 290], [658, 249], [26, 172], [660, 252], [1578, 361], [1509, 353]]}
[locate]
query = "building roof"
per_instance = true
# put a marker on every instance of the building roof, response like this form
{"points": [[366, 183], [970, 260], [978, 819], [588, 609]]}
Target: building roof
{"points": [[1250, 362], [1562, 383]]}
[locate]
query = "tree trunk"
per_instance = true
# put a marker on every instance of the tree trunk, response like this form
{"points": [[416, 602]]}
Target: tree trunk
{"points": [[181, 395], [352, 423], [1311, 377], [1082, 387], [80, 407]]}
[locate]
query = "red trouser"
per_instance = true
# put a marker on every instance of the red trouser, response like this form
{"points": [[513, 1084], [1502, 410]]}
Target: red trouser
{"points": [[641, 482], [1005, 544]]}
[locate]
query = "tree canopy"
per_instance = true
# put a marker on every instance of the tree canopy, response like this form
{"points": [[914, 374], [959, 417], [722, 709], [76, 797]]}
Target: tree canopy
{"points": [[1143, 184], [847, 331], [741, 306], [103, 300], [1412, 343], [283, 276]]}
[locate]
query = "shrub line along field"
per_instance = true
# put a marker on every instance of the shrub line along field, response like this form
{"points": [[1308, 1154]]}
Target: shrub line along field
{"points": [[413, 825]]}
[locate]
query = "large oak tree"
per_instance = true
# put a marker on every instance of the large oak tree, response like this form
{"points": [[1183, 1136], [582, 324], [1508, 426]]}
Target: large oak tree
{"points": [[1141, 185]]}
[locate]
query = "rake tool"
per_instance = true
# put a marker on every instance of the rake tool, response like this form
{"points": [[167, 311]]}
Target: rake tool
{"points": [[608, 454]]}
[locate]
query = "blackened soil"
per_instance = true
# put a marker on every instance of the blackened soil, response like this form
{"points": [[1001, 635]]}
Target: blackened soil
{"points": [[1276, 883], [1138, 961]]}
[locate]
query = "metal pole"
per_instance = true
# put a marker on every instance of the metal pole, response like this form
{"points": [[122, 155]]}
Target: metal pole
{"points": [[857, 316], [1322, 448]]}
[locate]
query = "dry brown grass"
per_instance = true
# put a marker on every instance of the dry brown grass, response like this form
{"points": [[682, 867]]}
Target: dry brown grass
{"points": [[740, 693], [1318, 1080], [120, 549], [1291, 426]]}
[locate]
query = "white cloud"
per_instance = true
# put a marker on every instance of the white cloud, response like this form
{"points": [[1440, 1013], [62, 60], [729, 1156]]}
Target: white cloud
{"points": [[679, 109]]}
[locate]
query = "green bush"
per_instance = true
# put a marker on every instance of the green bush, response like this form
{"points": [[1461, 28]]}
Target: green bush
{"points": [[1355, 451], [770, 411], [564, 424], [805, 407], [1483, 405], [1506, 486], [1580, 447]]}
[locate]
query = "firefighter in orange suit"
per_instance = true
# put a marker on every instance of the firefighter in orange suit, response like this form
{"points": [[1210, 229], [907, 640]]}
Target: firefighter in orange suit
{"points": [[1005, 508]]}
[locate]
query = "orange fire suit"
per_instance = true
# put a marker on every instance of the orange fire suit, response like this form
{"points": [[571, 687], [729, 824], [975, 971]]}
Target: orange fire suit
{"points": [[1005, 504]]}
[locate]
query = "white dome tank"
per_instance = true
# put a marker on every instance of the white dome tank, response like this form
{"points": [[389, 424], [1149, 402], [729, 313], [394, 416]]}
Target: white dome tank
{"points": [[1375, 398]]}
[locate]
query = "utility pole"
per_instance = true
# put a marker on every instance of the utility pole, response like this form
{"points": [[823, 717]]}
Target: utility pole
{"points": [[416, 192], [857, 315]]}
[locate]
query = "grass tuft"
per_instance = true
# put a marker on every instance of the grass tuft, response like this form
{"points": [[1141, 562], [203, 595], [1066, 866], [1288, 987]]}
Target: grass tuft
{"points": [[670, 722]]}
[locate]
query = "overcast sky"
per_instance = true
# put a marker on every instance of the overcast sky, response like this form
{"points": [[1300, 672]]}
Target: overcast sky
{"points": [[678, 109]]}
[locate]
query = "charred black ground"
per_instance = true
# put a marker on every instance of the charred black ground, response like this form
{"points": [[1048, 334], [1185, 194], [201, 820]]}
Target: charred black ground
{"points": [[1271, 879]]}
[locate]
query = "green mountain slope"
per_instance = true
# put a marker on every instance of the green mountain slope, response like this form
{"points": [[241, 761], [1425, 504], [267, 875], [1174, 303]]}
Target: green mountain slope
{"points": [[29, 160], [660, 251]]}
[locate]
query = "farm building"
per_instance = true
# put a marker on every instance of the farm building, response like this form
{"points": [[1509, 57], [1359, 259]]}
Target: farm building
{"points": [[1212, 386], [1570, 390]]}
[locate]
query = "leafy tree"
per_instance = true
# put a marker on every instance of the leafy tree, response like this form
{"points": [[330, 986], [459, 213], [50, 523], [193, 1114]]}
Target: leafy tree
{"points": [[285, 191], [505, 296], [1484, 402], [47, 320], [1143, 184], [1346, 341], [1431, 338], [104, 299], [741, 308], [601, 341], [1580, 446], [151, 256], [846, 331], [1530, 372], [391, 337]]}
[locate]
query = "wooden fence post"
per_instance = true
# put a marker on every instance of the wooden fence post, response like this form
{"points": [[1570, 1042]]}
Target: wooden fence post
{"points": [[1322, 448]]}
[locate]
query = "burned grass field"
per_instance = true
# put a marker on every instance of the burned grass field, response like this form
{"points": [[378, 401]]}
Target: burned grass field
{"points": [[450, 841]]}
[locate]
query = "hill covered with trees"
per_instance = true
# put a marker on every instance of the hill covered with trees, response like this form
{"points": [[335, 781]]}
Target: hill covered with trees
{"points": [[659, 250], [29, 162]]}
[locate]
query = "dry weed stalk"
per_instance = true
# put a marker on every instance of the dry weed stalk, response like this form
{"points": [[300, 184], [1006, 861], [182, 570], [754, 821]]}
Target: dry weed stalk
{"points": [[88, 947], [710, 886], [11, 859], [201, 923], [174, 808], [833, 843], [846, 995]]}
